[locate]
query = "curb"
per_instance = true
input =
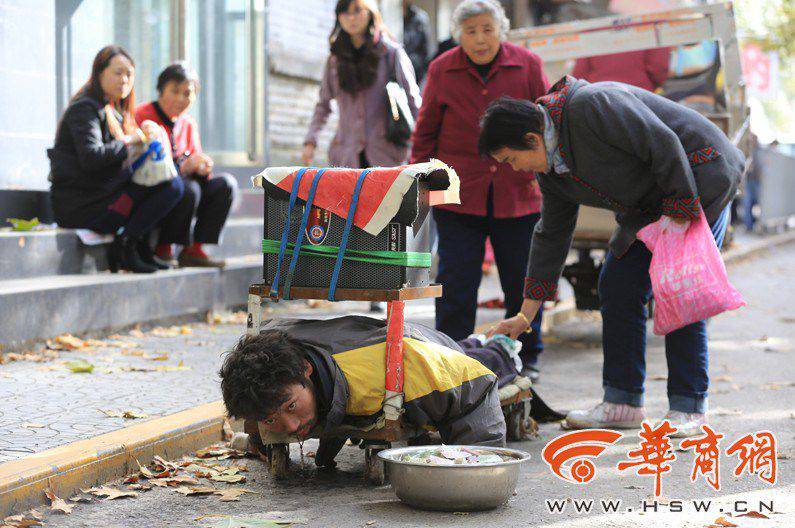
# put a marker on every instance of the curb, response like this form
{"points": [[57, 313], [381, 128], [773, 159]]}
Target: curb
{"points": [[85, 463]]}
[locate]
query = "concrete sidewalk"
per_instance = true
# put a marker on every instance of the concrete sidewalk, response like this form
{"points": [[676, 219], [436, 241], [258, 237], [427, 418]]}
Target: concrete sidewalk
{"points": [[753, 389]]}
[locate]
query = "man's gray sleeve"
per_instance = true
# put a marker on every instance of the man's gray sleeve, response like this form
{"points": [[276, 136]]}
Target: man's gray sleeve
{"points": [[483, 425]]}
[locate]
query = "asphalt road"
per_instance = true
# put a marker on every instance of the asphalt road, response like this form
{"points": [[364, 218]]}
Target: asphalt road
{"points": [[752, 389]]}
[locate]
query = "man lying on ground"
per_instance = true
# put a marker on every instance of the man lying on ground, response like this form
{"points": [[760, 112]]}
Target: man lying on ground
{"points": [[325, 378]]}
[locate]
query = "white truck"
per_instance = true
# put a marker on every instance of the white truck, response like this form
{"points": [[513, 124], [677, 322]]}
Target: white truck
{"points": [[559, 44]]}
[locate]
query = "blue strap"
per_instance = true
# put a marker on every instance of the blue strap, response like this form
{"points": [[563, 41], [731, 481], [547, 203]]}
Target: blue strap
{"points": [[155, 150], [274, 293], [288, 279], [348, 223]]}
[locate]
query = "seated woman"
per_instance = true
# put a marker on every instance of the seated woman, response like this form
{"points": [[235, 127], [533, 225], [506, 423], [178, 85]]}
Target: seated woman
{"points": [[208, 196], [91, 187]]}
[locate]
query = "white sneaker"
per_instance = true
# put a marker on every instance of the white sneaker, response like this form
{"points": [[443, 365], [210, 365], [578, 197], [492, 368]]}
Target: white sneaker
{"points": [[687, 424], [607, 415]]}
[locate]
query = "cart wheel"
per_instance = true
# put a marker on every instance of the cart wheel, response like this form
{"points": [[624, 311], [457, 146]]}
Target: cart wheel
{"points": [[278, 456], [519, 423], [374, 468]]}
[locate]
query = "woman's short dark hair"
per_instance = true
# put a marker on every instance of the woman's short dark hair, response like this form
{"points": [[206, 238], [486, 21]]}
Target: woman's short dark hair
{"points": [[506, 122], [257, 371], [178, 72]]}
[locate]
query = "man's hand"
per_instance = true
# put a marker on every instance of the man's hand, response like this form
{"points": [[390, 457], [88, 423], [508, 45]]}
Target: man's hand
{"points": [[513, 327]]}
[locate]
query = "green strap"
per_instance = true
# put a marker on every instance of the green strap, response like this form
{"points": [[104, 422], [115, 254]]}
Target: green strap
{"points": [[395, 258]]}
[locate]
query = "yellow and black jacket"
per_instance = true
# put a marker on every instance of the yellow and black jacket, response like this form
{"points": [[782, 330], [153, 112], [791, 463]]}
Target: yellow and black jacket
{"points": [[444, 389]]}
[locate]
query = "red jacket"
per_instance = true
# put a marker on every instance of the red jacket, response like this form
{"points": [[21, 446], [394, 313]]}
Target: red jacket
{"points": [[453, 102], [645, 69], [185, 131]]}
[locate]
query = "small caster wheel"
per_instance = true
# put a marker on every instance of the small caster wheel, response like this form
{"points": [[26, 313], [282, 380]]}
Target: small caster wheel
{"points": [[519, 424], [374, 468], [278, 456]]}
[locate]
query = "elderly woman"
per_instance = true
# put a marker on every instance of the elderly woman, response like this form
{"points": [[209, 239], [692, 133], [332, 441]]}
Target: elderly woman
{"points": [[496, 201], [622, 148]]}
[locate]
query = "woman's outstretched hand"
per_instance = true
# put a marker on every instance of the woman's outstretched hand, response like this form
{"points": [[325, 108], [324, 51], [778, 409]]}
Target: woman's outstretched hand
{"points": [[513, 327]]}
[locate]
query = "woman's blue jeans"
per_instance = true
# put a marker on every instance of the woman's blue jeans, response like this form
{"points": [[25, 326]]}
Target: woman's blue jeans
{"points": [[624, 292]]}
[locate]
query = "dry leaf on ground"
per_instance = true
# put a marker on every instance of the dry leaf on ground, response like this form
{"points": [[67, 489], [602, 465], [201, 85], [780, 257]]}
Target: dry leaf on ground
{"points": [[31, 518], [232, 494], [778, 385], [179, 480], [80, 498], [219, 453], [197, 490], [57, 504], [236, 318], [754, 515], [726, 523], [33, 425], [129, 415], [159, 356], [231, 479], [66, 342], [723, 378], [141, 486], [110, 493]]}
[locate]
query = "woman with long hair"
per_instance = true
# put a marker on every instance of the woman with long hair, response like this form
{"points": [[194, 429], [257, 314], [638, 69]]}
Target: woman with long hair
{"points": [[91, 186], [363, 59]]}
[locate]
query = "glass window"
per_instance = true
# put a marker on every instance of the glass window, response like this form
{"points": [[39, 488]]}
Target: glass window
{"points": [[218, 48], [142, 27]]}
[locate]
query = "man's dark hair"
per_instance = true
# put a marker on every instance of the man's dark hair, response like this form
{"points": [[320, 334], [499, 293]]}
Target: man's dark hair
{"points": [[505, 124], [257, 371], [178, 72]]}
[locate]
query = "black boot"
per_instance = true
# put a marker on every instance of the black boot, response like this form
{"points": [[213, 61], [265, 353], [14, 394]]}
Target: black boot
{"points": [[148, 256], [123, 254]]}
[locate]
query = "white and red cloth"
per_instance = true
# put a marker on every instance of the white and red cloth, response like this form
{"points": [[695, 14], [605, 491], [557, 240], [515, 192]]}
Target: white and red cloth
{"points": [[380, 197]]}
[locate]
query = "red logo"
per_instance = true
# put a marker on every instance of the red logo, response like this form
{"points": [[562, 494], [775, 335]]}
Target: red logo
{"points": [[317, 225], [569, 456]]}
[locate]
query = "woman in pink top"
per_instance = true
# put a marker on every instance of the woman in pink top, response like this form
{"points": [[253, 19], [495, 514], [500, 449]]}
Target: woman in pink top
{"points": [[363, 60]]}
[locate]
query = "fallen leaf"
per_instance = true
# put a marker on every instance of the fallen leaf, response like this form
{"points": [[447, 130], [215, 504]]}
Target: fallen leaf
{"points": [[754, 515], [232, 494], [160, 357], [57, 504], [172, 481], [80, 366], [110, 493], [141, 486], [23, 520], [369, 523], [33, 425], [219, 452], [136, 353], [231, 479], [726, 523], [132, 415], [80, 498], [723, 378], [199, 490], [69, 342]]}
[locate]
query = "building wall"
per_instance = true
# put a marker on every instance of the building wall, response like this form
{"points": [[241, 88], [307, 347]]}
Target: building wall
{"points": [[27, 91]]}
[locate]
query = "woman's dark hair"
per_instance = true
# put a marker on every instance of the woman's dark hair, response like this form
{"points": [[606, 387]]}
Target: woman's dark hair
{"points": [[257, 371], [506, 122], [178, 72], [356, 69], [93, 88]]}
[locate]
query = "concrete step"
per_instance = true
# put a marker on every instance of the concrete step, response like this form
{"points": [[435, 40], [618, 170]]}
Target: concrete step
{"points": [[42, 307], [60, 252]]}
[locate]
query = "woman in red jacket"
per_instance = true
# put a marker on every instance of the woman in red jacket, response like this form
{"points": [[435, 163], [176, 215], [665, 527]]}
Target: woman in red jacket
{"points": [[208, 195], [496, 201]]}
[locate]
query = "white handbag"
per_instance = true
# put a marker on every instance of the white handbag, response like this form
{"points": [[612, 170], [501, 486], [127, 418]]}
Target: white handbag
{"points": [[151, 164]]}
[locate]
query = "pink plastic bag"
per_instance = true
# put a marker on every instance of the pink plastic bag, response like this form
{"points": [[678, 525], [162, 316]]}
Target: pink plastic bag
{"points": [[688, 277]]}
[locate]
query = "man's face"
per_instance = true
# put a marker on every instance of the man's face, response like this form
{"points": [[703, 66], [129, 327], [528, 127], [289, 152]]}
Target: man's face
{"points": [[298, 415], [532, 160]]}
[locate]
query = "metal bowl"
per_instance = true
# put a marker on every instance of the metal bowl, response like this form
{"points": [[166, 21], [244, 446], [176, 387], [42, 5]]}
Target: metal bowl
{"points": [[465, 487]]}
